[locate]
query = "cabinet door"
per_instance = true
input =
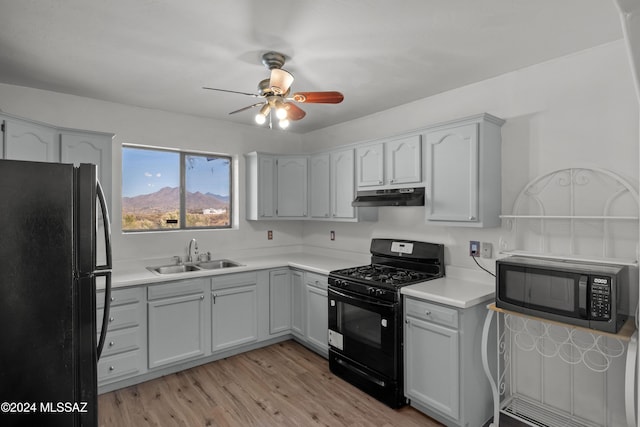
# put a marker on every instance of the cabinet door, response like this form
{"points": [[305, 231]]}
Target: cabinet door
{"points": [[81, 147], [233, 317], [342, 186], [176, 329], [370, 165], [319, 198], [431, 365], [266, 182], [279, 301], [291, 187], [297, 305], [403, 159], [30, 141], [317, 317], [452, 180]]}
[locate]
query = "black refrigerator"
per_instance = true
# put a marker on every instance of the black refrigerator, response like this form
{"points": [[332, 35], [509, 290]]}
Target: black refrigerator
{"points": [[54, 247]]}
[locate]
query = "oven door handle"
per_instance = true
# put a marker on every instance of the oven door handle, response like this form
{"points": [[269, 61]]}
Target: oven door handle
{"points": [[360, 299]]}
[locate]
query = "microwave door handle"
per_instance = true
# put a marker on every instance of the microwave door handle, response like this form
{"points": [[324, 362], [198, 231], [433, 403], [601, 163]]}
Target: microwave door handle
{"points": [[107, 227], [582, 296]]}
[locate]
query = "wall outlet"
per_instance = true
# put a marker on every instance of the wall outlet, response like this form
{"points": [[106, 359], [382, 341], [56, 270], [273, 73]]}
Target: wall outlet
{"points": [[332, 235], [474, 248], [269, 235], [486, 249]]}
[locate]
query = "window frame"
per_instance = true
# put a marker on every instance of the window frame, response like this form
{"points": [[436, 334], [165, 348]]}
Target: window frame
{"points": [[183, 190]]}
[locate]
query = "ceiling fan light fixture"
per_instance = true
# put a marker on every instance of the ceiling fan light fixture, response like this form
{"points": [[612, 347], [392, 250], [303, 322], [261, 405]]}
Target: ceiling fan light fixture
{"points": [[281, 109], [280, 81], [284, 123], [261, 117]]}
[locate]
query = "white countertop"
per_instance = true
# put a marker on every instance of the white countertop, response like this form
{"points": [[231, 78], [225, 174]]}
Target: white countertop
{"points": [[457, 291], [133, 273], [453, 291]]}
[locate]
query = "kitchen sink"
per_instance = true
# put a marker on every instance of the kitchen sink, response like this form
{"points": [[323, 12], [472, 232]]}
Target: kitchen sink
{"points": [[185, 268], [218, 263], [173, 269]]}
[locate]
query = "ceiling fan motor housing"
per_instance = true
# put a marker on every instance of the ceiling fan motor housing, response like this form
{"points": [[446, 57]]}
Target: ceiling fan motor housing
{"points": [[273, 60]]}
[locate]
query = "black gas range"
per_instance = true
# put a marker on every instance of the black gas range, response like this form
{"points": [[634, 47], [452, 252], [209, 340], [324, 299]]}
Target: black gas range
{"points": [[365, 315]]}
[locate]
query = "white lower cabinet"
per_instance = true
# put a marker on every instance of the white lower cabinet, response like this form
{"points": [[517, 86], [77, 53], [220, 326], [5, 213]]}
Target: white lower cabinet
{"points": [[234, 308], [178, 316], [124, 350], [280, 301], [316, 312], [297, 303], [444, 377]]}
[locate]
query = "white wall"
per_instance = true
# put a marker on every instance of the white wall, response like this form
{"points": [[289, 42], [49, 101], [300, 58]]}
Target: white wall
{"points": [[578, 110], [163, 129]]}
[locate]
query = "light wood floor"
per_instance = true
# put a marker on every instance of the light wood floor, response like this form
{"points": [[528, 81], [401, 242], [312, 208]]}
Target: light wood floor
{"points": [[281, 385]]}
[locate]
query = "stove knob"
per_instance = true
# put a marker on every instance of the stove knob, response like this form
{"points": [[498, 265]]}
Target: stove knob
{"points": [[379, 291], [371, 291]]}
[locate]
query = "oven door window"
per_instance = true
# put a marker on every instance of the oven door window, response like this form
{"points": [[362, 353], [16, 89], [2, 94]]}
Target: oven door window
{"points": [[360, 324]]}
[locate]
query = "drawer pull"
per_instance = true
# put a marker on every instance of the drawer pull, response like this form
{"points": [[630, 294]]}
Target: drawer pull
{"points": [[112, 368], [111, 319], [427, 313], [112, 343], [113, 299]]}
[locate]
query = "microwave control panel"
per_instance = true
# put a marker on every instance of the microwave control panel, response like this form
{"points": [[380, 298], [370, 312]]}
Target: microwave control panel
{"points": [[600, 298]]}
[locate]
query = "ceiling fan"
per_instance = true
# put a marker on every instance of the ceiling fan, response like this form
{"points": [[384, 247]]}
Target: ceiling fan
{"points": [[277, 97]]}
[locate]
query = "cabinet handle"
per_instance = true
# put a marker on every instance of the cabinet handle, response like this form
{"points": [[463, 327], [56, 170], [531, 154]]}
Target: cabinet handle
{"points": [[427, 313], [111, 319], [391, 181], [407, 321], [380, 182], [214, 297], [112, 368], [201, 296], [111, 344], [472, 218], [113, 299]]}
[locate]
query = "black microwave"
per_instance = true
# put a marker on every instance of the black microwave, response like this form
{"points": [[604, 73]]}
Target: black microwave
{"points": [[582, 294]]}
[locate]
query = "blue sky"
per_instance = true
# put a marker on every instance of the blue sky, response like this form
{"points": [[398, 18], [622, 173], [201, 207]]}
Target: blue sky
{"points": [[147, 171]]}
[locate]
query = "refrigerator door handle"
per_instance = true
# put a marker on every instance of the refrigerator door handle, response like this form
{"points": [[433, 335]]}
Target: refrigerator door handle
{"points": [[107, 228], [107, 308]]}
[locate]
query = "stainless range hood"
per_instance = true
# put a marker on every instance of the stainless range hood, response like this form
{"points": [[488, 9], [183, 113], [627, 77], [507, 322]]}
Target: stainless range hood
{"points": [[390, 197]]}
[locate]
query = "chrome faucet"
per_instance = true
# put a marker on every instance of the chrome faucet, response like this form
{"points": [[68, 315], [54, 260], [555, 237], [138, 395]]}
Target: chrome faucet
{"points": [[193, 242]]}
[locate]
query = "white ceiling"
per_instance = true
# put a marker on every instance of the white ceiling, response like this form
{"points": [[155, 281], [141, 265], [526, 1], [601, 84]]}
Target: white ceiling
{"points": [[378, 53]]}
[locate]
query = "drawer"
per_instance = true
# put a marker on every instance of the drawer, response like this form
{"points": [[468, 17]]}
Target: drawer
{"points": [[120, 317], [233, 280], [431, 312], [121, 341], [115, 367], [316, 280], [120, 297], [179, 288]]}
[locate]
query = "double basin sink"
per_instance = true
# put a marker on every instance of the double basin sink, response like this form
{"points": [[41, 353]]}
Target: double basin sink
{"points": [[215, 264]]}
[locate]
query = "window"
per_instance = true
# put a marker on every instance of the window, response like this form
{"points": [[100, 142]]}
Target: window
{"points": [[166, 190]]}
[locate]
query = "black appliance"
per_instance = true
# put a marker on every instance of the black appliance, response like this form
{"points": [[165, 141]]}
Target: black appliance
{"points": [[50, 221], [583, 294], [390, 197], [365, 315]]}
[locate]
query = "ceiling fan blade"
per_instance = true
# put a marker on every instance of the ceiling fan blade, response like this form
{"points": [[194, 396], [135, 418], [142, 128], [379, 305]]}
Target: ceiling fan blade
{"points": [[247, 108], [231, 91], [294, 112], [330, 97]]}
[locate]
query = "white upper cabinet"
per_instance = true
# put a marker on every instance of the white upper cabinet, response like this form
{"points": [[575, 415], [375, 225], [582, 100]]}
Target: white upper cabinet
{"points": [[39, 142], [403, 160], [291, 187], [30, 141], [89, 147], [276, 186], [319, 186], [463, 179], [370, 165], [391, 163], [342, 184]]}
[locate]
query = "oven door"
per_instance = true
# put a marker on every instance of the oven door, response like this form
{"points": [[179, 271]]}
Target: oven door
{"points": [[365, 330]]}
